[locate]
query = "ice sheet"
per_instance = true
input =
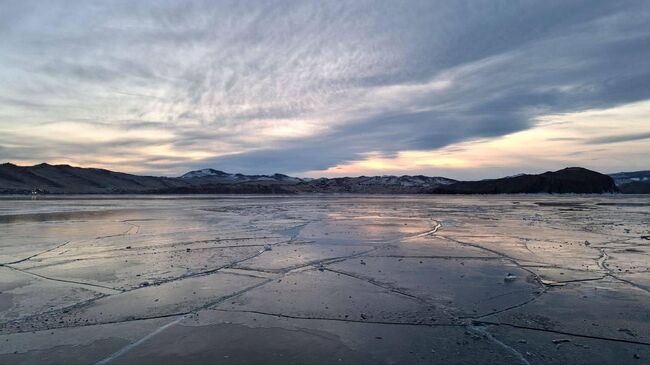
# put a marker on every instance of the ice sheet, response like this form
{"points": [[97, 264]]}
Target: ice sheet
{"points": [[314, 279]]}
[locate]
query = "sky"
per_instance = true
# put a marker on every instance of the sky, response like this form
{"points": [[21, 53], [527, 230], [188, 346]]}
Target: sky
{"points": [[463, 89]]}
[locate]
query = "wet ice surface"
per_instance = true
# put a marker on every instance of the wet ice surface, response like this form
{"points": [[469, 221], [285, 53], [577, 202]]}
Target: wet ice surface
{"points": [[325, 279]]}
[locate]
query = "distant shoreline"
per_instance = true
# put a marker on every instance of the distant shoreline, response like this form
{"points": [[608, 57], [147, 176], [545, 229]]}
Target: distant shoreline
{"points": [[45, 179]]}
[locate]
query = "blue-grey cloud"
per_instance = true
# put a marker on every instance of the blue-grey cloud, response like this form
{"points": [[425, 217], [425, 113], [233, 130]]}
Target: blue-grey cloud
{"points": [[619, 138], [357, 77]]}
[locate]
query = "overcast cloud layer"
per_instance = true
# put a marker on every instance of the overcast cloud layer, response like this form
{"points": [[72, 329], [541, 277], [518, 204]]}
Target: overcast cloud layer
{"points": [[163, 87]]}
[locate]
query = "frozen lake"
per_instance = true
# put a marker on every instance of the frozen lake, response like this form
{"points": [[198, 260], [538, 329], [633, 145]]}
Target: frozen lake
{"points": [[326, 279]]}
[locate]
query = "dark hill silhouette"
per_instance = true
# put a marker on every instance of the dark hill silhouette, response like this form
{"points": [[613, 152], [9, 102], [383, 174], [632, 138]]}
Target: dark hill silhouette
{"points": [[569, 180], [65, 179]]}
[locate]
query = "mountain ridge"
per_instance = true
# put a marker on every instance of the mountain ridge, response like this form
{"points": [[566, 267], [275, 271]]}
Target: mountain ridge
{"points": [[65, 179]]}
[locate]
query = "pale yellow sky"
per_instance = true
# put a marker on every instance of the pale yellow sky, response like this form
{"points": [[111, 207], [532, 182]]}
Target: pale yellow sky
{"points": [[587, 138]]}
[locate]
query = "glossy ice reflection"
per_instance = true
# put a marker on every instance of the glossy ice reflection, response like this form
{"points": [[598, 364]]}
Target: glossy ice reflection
{"points": [[351, 279]]}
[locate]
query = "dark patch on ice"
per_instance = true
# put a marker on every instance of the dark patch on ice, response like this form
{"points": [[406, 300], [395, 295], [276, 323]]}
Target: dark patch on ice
{"points": [[560, 204], [60, 216]]}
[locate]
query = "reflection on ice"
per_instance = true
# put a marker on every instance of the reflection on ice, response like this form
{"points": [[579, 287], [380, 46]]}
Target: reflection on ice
{"points": [[423, 267]]}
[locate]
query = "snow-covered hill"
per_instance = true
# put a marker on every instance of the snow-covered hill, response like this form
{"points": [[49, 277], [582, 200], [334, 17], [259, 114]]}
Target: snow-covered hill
{"points": [[637, 182], [627, 177], [362, 184], [207, 176], [204, 173]]}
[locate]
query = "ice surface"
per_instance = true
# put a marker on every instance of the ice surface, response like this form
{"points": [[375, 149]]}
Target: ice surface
{"points": [[324, 279]]}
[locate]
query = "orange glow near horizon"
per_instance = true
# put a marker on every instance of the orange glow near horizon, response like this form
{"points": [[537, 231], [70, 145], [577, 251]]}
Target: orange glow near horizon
{"points": [[556, 140]]}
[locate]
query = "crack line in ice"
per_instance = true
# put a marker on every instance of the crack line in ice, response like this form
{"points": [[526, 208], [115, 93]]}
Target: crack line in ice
{"points": [[443, 257], [630, 283], [34, 255], [378, 284], [280, 315], [560, 332], [519, 305], [125, 233], [93, 287], [602, 263], [432, 231]]}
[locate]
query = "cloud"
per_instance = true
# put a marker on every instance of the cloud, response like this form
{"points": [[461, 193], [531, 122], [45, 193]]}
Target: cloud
{"points": [[619, 138], [296, 87], [554, 142]]}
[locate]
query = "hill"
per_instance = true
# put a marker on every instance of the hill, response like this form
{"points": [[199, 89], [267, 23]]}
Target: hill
{"points": [[46, 178], [637, 182], [569, 180], [65, 179]]}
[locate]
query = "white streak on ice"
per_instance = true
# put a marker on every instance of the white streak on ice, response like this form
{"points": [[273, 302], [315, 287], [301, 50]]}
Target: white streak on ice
{"points": [[511, 350], [130, 346]]}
